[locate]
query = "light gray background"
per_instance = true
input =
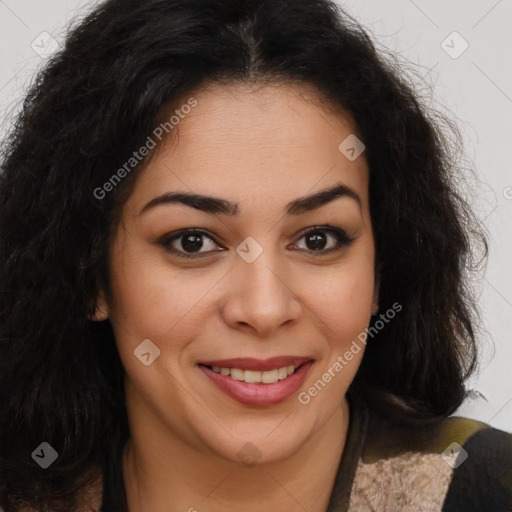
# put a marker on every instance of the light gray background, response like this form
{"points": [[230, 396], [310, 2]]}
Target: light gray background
{"points": [[476, 87]]}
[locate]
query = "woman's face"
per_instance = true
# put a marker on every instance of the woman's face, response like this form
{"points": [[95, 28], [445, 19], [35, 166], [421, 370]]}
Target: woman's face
{"points": [[257, 286]]}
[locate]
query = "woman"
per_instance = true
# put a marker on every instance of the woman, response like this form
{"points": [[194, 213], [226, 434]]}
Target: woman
{"points": [[234, 267]]}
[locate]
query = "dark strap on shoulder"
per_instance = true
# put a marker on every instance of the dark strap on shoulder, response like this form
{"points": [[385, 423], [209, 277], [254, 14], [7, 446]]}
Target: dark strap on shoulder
{"points": [[483, 482]]}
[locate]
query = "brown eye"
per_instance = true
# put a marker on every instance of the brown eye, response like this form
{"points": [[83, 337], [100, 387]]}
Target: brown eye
{"points": [[319, 238], [188, 243], [192, 242]]}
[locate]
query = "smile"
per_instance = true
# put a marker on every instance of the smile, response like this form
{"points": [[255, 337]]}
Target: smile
{"points": [[257, 377], [258, 382]]}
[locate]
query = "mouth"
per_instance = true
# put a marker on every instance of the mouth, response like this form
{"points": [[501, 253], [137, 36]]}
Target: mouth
{"points": [[256, 376], [258, 382]]}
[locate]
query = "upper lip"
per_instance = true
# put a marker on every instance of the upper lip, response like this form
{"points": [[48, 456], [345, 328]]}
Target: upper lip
{"points": [[250, 363]]}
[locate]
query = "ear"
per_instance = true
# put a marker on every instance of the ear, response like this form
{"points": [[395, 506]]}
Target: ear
{"points": [[101, 310]]}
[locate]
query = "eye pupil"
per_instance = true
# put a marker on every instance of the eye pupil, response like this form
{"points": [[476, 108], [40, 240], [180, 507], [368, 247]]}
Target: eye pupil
{"points": [[318, 241], [192, 242]]}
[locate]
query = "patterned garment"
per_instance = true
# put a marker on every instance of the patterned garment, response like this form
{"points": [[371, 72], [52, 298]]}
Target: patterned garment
{"points": [[456, 465]]}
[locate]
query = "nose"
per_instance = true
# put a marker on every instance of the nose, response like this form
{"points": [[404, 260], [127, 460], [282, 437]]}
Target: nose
{"points": [[260, 297]]}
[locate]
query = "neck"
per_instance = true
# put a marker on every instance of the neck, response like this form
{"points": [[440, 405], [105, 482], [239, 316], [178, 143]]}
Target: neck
{"points": [[195, 481]]}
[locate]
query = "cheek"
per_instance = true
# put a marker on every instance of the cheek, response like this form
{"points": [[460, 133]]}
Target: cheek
{"points": [[342, 298], [342, 311], [155, 301], [150, 297]]}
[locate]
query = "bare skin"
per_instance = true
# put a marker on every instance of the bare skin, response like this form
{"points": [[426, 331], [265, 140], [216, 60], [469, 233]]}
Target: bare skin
{"points": [[261, 148]]}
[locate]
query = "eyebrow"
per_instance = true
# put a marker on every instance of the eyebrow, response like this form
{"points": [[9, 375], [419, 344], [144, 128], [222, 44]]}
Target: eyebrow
{"points": [[213, 205]]}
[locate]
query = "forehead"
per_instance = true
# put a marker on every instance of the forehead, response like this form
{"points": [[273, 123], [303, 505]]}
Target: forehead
{"points": [[269, 143]]}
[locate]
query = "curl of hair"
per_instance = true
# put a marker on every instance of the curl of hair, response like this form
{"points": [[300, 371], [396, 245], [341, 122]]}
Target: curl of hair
{"points": [[95, 102]]}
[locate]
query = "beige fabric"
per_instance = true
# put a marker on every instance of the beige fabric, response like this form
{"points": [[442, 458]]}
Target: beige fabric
{"points": [[412, 482]]}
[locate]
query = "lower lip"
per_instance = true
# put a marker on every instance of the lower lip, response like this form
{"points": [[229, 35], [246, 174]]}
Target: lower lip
{"points": [[259, 394]]}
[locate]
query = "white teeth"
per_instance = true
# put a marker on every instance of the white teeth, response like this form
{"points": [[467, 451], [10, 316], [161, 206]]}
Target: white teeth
{"points": [[256, 377], [283, 373], [270, 377], [252, 376], [237, 374]]}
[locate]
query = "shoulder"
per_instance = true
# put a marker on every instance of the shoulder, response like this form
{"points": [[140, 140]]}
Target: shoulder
{"points": [[456, 464], [483, 479]]}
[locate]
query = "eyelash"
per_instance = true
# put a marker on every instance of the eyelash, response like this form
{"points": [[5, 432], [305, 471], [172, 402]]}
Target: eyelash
{"points": [[342, 239]]}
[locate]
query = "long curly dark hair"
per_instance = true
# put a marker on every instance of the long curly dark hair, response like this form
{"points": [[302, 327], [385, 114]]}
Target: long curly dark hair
{"points": [[94, 103]]}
